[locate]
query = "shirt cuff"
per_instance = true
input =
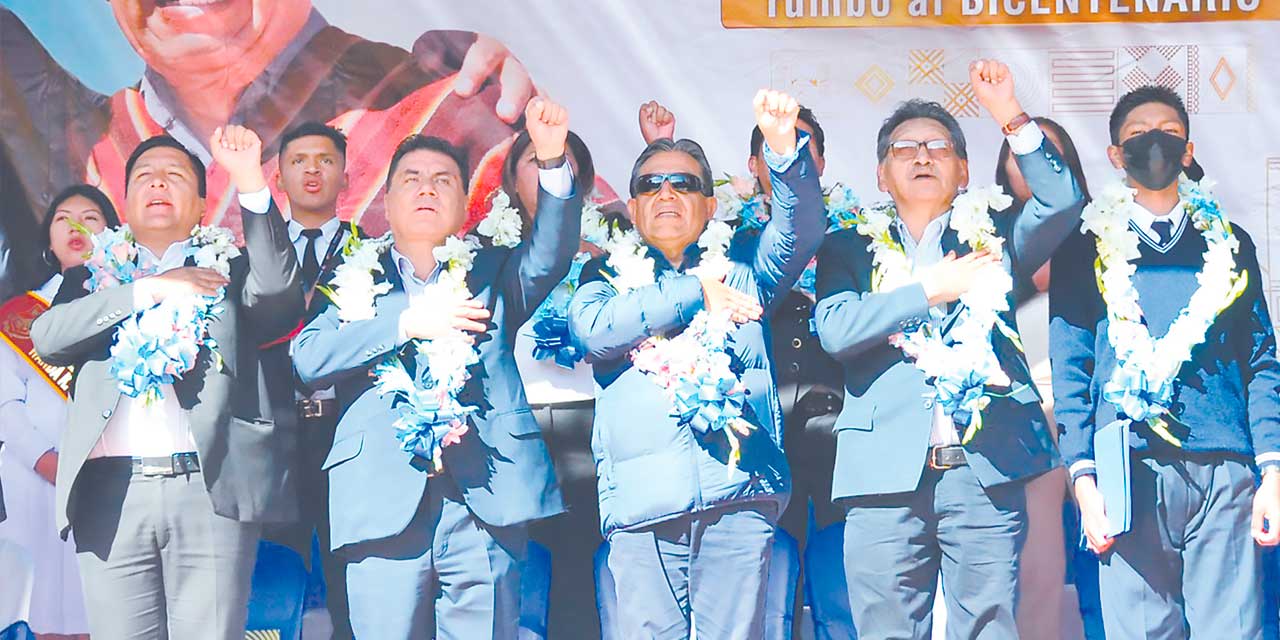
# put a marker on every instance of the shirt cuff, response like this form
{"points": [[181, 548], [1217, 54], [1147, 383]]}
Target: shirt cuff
{"points": [[558, 181], [1264, 460], [1083, 468], [258, 202], [1026, 140], [779, 163]]}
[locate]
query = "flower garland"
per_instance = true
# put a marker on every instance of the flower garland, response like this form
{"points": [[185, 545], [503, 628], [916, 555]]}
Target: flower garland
{"points": [[156, 346], [503, 223], [1141, 386], [962, 370], [431, 415], [694, 367]]}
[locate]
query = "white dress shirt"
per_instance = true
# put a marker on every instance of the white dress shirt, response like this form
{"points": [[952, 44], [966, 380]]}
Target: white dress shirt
{"points": [[1143, 219], [327, 231], [161, 428]]}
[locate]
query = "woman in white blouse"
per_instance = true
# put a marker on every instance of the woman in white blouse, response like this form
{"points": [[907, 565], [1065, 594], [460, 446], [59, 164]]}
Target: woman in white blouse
{"points": [[33, 410]]}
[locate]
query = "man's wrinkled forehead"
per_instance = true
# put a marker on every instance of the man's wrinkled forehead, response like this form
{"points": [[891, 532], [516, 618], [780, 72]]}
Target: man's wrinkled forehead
{"points": [[671, 162]]}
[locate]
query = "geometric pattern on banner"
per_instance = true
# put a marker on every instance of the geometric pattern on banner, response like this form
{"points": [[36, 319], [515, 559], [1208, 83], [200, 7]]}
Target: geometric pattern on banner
{"points": [[1082, 80], [875, 83], [925, 66], [1164, 66], [960, 101], [1222, 75]]}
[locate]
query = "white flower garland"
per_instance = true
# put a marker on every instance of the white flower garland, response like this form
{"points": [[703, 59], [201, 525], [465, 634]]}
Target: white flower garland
{"points": [[158, 345], [693, 367], [960, 370], [503, 223], [1142, 384], [432, 417]]}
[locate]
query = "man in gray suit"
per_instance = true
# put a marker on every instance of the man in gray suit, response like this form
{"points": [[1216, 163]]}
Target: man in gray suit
{"points": [[166, 494], [437, 546], [919, 498]]}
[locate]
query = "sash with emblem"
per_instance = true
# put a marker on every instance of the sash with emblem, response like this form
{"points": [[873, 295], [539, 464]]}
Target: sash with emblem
{"points": [[16, 317]]}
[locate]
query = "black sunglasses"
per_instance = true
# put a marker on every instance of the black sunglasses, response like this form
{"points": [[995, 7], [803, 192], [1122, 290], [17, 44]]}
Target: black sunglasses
{"points": [[652, 183]]}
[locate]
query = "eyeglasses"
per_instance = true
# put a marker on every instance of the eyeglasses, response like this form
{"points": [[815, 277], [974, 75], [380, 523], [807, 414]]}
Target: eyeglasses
{"points": [[652, 183], [908, 149]]}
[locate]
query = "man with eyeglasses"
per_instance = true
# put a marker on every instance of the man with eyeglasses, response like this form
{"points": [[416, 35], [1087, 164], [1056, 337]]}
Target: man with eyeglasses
{"points": [[932, 479], [689, 511]]}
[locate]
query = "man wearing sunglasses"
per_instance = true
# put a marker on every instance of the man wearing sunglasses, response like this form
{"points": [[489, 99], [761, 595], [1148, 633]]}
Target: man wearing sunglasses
{"points": [[689, 524], [918, 500]]}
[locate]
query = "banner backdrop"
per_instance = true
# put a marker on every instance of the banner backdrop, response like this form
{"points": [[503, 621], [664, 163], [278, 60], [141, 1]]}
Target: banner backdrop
{"points": [[82, 81]]}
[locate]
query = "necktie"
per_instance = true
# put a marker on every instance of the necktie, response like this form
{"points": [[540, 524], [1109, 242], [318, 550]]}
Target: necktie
{"points": [[310, 264], [1164, 231]]}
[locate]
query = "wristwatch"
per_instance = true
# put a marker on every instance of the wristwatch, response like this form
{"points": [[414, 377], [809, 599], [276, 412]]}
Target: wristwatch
{"points": [[553, 163], [1011, 127]]}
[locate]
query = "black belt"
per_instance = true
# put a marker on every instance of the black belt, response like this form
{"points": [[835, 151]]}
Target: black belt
{"points": [[308, 408], [178, 464], [947, 457]]}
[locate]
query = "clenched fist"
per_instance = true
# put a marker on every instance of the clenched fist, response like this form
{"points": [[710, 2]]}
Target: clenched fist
{"points": [[993, 87], [548, 126], [776, 114], [656, 122], [239, 151]]}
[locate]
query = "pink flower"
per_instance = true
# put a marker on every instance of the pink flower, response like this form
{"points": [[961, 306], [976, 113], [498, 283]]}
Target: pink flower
{"points": [[120, 252], [744, 187], [455, 434]]}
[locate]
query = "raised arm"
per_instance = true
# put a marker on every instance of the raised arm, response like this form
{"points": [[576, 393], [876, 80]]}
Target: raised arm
{"points": [[544, 260], [797, 219], [1054, 208], [272, 295]]}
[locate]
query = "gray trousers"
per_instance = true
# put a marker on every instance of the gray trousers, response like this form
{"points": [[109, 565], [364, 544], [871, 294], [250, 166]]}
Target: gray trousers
{"points": [[447, 575], [155, 560], [896, 544], [1188, 567], [706, 570]]}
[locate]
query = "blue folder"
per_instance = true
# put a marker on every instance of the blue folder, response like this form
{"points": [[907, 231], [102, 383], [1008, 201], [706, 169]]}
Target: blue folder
{"points": [[1111, 454]]}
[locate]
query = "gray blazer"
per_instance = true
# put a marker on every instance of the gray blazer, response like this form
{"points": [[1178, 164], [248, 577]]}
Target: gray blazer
{"points": [[241, 457]]}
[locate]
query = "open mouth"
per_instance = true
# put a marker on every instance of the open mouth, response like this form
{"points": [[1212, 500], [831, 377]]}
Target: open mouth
{"points": [[156, 203], [187, 3], [77, 244], [312, 186]]}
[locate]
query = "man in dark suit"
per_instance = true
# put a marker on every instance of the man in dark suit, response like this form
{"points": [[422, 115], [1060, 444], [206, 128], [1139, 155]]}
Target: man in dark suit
{"points": [[312, 164], [1204, 490], [439, 550], [165, 495], [918, 500]]}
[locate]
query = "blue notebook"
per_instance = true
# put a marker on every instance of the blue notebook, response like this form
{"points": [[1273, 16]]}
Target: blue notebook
{"points": [[1111, 454]]}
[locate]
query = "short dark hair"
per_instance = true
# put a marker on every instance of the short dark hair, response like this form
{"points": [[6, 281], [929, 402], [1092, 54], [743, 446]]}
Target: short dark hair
{"points": [[683, 145], [162, 140], [1146, 95], [806, 116], [419, 142], [89, 192], [912, 110], [584, 177], [315, 128], [1068, 151]]}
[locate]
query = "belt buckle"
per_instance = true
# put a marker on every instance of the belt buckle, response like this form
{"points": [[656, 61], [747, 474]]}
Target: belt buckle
{"points": [[933, 460], [309, 408]]}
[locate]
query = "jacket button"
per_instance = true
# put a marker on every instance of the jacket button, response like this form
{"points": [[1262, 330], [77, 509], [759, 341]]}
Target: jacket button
{"points": [[796, 343], [928, 403], [795, 367], [106, 413]]}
